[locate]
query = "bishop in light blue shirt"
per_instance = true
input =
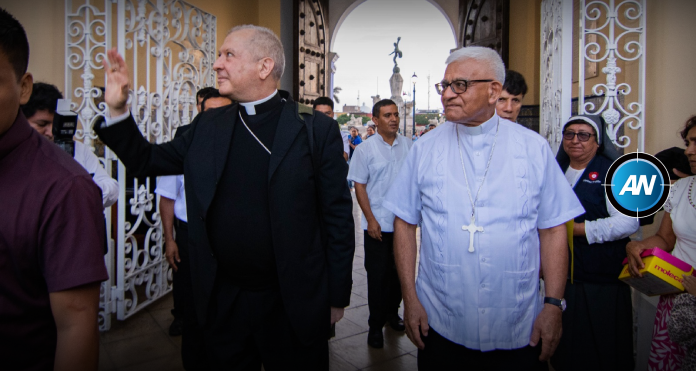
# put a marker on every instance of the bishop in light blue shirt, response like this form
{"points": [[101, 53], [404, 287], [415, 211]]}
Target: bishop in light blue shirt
{"points": [[478, 280]]}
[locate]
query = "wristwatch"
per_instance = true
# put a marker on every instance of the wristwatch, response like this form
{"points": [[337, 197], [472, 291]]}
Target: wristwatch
{"points": [[561, 303]]}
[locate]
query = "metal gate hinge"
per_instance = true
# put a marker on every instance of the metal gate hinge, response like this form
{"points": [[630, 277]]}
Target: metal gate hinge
{"points": [[116, 293]]}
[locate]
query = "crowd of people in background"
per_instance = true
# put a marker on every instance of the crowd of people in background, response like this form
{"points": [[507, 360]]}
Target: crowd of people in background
{"points": [[262, 248]]}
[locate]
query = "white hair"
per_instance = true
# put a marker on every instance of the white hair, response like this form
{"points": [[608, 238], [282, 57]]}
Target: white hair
{"points": [[264, 43], [481, 54]]}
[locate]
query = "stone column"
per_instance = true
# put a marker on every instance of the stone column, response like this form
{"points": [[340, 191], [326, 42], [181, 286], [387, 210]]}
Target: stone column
{"points": [[396, 83]]}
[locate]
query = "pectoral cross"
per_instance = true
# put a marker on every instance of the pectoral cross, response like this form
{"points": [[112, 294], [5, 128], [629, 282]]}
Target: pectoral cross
{"points": [[472, 228]]}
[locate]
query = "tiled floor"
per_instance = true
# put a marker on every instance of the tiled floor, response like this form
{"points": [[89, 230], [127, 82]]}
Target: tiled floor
{"points": [[142, 343]]}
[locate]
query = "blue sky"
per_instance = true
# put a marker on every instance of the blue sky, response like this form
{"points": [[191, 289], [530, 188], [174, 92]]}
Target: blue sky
{"points": [[367, 36]]}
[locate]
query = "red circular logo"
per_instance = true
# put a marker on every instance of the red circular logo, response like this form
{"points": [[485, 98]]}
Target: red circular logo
{"points": [[594, 175]]}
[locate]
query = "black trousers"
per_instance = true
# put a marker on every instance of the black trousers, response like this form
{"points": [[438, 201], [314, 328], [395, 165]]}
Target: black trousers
{"points": [[383, 286], [441, 354], [250, 328], [192, 350]]}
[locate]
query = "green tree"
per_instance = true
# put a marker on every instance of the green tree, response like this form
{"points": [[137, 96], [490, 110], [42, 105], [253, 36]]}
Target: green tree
{"points": [[343, 119], [366, 120], [422, 118]]}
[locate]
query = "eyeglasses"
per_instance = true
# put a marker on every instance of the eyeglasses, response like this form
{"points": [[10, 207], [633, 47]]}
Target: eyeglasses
{"points": [[582, 136], [457, 86]]}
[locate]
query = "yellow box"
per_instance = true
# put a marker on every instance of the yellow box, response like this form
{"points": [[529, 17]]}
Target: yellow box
{"points": [[662, 273]]}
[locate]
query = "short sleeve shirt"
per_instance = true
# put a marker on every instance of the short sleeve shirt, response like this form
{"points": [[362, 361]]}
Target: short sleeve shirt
{"points": [[683, 214], [489, 298], [354, 141], [172, 187], [346, 142], [376, 163], [51, 239], [89, 161]]}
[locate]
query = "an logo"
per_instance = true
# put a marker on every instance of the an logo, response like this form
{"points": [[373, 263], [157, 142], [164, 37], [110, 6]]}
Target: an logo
{"points": [[594, 175], [637, 184]]}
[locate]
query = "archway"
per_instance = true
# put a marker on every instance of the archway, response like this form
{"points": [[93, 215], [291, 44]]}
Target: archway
{"points": [[364, 36], [340, 9]]}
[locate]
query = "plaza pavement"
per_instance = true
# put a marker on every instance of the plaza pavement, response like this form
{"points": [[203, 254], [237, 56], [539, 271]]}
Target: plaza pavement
{"points": [[142, 342]]}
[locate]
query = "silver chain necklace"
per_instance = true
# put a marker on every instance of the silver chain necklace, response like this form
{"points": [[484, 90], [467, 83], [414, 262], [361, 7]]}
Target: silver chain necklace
{"points": [[254, 135], [472, 227]]}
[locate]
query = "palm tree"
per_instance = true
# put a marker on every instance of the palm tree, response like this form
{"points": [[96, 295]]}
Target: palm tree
{"points": [[336, 90]]}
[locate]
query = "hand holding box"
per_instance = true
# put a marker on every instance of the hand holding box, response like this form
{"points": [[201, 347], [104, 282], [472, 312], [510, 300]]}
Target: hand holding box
{"points": [[662, 273]]}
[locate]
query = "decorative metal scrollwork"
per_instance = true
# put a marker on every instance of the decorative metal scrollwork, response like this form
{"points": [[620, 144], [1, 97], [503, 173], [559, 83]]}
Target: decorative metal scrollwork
{"points": [[170, 47], [614, 31], [87, 33]]}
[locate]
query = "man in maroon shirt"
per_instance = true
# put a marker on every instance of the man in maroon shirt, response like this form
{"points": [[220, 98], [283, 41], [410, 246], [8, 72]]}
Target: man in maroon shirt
{"points": [[51, 235]]}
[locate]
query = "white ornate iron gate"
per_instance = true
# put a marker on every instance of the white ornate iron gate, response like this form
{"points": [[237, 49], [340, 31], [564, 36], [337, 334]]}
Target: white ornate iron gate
{"points": [[170, 47], [606, 29], [611, 34]]}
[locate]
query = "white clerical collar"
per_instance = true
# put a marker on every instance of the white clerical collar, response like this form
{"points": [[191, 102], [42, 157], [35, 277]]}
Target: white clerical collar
{"points": [[250, 107], [483, 128]]}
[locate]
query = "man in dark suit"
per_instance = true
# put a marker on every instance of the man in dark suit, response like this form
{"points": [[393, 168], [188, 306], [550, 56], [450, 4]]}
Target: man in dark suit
{"points": [[271, 235]]}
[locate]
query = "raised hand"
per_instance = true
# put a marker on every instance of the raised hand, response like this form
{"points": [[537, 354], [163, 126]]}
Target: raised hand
{"points": [[117, 83]]}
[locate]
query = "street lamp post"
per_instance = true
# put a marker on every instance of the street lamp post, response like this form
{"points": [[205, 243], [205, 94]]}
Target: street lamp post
{"points": [[414, 77], [405, 114]]}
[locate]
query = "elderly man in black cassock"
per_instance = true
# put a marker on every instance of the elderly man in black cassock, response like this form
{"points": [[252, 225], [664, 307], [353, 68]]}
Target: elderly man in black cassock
{"points": [[271, 235]]}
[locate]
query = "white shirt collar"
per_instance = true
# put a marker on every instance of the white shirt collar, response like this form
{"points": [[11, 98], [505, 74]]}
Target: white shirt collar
{"points": [[250, 106], [379, 137], [481, 129]]}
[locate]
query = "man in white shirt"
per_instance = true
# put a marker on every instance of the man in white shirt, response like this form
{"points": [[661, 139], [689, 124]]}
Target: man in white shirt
{"points": [[373, 167], [325, 105], [492, 204], [40, 110], [173, 214]]}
